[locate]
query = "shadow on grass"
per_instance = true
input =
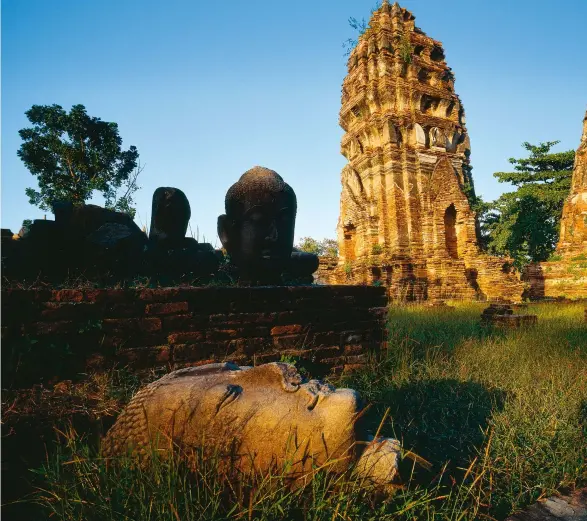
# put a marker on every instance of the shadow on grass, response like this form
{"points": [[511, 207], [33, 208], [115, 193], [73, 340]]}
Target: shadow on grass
{"points": [[26, 445], [31, 422], [443, 421]]}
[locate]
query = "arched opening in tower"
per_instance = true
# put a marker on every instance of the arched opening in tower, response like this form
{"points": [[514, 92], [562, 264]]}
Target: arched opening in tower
{"points": [[450, 231], [349, 242]]}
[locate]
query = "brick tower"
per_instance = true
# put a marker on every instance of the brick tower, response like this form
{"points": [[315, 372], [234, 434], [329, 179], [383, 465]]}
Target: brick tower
{"points": [[567, 276], [405, 217], [573, 232]]}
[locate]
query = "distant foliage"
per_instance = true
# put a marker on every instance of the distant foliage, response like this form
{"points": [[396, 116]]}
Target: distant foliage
{"points": [[73, 155], [325, 247], [524, 224]]}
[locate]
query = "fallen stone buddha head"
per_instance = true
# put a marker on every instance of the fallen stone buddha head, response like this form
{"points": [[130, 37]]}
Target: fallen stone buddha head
{"points": [[262, 418], [257, 230]]}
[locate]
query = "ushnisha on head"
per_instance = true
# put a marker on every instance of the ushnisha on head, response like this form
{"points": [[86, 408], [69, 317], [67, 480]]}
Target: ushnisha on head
{"points": [[257, 230]]}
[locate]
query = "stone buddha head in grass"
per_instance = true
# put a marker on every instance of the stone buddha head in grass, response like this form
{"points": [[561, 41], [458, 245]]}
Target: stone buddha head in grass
{"points": [[265, 418], [257, 230]]}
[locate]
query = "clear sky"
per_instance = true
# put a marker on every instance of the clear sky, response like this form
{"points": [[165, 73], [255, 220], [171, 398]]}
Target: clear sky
{"points": [[208, 89]]}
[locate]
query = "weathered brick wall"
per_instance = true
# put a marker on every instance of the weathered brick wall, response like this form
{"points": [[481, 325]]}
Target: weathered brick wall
{"points": [[564, 278], [334, 327], [327, 270]]}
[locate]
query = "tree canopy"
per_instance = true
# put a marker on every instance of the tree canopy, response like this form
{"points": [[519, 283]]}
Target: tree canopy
{"points": [[524, 223], [73, 154], [326, 247]]}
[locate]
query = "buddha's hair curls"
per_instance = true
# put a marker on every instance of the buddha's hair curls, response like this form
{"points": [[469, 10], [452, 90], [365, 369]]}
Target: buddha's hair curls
{"points": [[254, 185]]}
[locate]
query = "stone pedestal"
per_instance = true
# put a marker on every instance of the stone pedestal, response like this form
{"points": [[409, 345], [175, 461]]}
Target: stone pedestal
{"points": [[511, 321], [502, 315]]}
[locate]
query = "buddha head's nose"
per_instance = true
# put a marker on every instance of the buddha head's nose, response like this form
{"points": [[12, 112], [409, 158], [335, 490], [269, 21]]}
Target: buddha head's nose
{"points": [[272, 235]]}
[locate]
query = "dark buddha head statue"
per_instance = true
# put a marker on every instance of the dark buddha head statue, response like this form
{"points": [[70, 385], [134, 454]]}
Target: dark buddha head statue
{"points": [[257, 230], [170, 214]]}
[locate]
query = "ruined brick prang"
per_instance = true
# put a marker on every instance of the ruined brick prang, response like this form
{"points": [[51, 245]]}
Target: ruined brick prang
{"points": [[405, 212], [573, 232], [567, 276]]}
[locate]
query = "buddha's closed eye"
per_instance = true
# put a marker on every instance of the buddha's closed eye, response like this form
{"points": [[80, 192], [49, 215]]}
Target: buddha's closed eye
{"points": [[231, 394]]}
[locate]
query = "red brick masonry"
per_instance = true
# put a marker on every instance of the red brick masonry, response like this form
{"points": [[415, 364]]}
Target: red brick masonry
{"points": [[335, 326]]}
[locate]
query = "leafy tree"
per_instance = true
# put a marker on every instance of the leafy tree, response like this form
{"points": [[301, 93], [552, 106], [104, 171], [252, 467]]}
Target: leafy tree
{"points": [[309, 245], [330, 247], [123, 202], [73, 154], [26, 224], [326, 247], [524, 224]]}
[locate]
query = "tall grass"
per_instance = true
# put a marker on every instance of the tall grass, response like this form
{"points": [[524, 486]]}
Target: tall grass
{"points": [[82, 486], [509, 406], [492, 420]]}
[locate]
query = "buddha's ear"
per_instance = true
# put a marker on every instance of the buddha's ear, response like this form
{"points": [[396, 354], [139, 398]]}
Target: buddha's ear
{"points": [[224, 229]]}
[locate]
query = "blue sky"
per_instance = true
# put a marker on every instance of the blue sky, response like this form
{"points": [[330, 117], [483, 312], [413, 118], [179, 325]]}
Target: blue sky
{"points": [[208, 89]]}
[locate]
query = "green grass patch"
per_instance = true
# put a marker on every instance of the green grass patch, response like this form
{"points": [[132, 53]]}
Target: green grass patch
{"points": [[508, 407]]}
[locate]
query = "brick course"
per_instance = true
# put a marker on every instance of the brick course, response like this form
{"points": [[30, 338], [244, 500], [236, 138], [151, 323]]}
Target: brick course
{"points": [[337, 326]]}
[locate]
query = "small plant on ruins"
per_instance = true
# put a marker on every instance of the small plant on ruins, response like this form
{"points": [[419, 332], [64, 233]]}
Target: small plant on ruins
{"points": [[377, 249], [406, 49], [348, 269], [524, 224], [90, 325], [28, 359], [361, 26], [297, 362], [73, 154]]}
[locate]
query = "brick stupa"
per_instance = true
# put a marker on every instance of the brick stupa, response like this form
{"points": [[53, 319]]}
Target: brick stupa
{"points": [[405, 216], [573, 232], [567, 276]]}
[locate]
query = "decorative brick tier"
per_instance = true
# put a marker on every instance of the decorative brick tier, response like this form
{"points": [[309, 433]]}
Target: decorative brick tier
{"points": [[332, 327]]}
